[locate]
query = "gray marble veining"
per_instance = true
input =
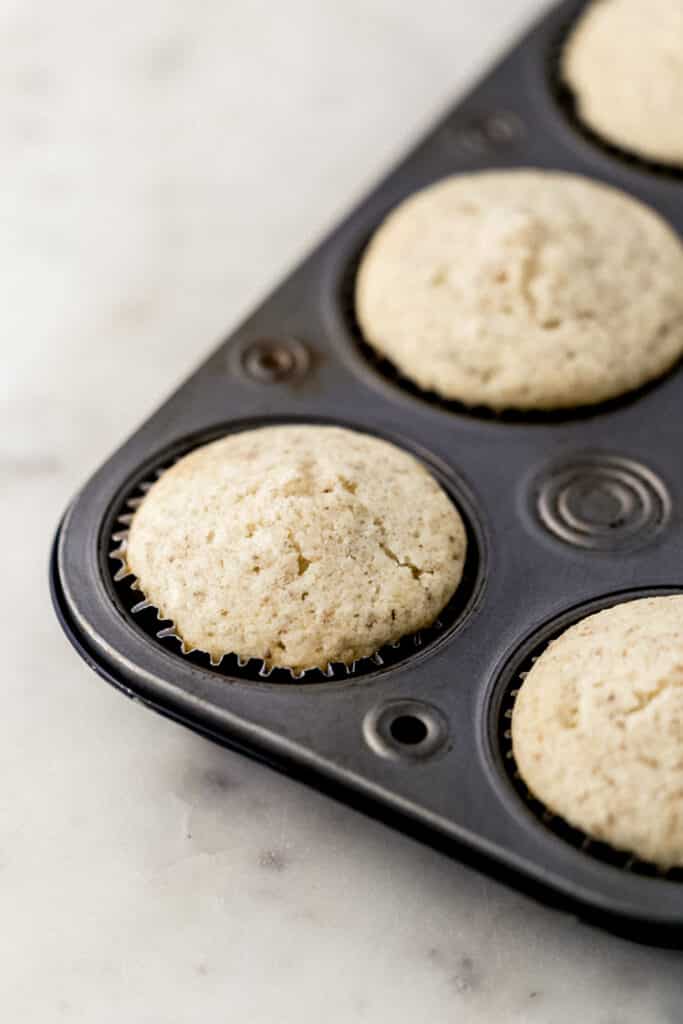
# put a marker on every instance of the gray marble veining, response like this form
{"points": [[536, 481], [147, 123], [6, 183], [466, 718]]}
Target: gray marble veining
{"points": [[163, 163]]}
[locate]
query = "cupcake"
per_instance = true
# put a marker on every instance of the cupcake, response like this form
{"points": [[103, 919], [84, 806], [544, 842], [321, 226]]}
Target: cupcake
{"points": [[597, 728], [524, 290], [296, 545], [624, 64]]}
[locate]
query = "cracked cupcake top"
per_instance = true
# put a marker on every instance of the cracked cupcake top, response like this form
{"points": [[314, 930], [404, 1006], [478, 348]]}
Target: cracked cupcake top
{"points": [[597, 728], [300, 545], [524, 289]]}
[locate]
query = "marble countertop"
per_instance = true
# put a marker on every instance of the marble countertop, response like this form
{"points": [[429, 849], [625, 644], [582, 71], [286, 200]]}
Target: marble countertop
{"points": [[163, 163]]}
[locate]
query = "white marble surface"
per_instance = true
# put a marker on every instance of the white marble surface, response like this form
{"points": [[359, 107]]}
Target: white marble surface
{"points": [[162, 163]]}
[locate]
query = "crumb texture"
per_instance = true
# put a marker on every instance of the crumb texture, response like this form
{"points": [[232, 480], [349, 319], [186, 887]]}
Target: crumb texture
{"points": [[597, 728], [624, 64], [300, 545], [524, 289]]}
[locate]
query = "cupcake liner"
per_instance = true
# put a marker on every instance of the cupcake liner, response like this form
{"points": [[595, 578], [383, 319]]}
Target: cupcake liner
{"points": [[601, 851], [127, 587]]}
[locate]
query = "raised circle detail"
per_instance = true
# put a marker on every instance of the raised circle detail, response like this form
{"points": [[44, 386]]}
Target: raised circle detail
{"points": [[479, 134], [272, 360], [406, 729], [601, 502]]}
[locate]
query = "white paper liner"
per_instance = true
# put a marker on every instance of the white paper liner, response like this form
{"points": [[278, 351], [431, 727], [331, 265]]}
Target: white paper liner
{"points": [[334, 670]]}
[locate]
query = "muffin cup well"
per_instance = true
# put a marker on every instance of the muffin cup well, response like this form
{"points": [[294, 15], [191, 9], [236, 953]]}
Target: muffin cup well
{"points": [[159, 628], [378, 369], [567, 103], [501, 736]]}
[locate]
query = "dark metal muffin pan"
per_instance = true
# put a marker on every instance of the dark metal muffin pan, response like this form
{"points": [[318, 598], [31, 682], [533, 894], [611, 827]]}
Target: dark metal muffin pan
{"points": [[566, 513]]}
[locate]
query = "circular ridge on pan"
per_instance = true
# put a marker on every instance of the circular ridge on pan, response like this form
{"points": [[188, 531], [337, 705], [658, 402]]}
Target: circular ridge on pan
{"points": [[500, 711], [131, 602], [601, 501]]}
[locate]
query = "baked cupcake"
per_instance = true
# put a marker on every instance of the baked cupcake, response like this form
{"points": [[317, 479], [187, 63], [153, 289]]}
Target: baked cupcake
{"points": [[624, 64], [523, 289], [597, 728], [297, 545]]}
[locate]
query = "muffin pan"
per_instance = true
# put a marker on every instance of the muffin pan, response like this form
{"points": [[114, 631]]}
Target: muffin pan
{"points": [[566, 513]]}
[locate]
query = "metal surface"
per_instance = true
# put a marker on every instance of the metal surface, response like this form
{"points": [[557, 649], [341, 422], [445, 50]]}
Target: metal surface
{"points": [[440, 774]]}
